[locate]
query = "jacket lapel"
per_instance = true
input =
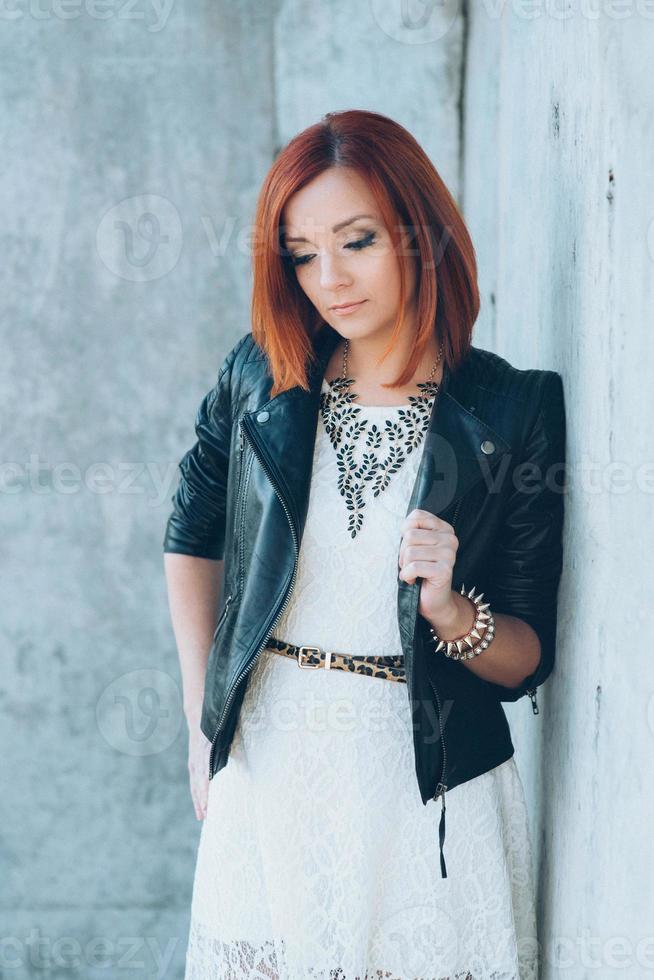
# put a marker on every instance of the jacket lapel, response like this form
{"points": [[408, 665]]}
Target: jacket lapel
{"points": [[452, 459], [284, 428]]}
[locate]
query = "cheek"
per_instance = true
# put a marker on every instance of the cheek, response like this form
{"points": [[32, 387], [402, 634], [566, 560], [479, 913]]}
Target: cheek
{"points": [[306, 280], [385, 277]]}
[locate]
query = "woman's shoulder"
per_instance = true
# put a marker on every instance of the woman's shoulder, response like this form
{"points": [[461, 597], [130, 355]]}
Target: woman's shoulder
{"points": [[512, 401], [496, 378], [484, 378], [489, 371]]}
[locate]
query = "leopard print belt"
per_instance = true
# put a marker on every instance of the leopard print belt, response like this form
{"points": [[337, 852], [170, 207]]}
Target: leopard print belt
{"points": [[389, 668]]}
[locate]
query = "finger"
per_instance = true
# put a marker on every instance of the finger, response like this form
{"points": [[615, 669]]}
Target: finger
{"points": [[199, 800], [428, 569], [427, 549], [196, 806], [419, 516], [446, 547], [438, 572], [203, 794], [424, 518], [196, 774]]}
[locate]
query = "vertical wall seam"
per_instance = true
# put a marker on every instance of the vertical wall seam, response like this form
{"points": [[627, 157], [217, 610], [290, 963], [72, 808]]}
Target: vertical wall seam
{"points": [[275, 134], [461, 103]]}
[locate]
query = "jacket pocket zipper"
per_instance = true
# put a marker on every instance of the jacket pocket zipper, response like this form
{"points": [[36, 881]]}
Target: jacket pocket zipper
{"points": [[248, 667], [534, 703], [222, 616]]}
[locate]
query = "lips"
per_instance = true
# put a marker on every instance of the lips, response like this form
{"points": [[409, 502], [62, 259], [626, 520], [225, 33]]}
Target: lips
{"points": [[346, 306]]}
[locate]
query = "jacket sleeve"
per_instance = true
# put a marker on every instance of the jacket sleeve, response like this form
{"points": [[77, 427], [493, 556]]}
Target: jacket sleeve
{"points": [[196, 525], [523, 576]]}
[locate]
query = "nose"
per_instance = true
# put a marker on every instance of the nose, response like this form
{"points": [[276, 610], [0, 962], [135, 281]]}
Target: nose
{"points": [[333, 273]]}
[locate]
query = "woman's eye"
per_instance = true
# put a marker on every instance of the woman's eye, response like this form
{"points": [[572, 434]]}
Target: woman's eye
{"points": [[356, 246], [300, 259], [362, 242]]}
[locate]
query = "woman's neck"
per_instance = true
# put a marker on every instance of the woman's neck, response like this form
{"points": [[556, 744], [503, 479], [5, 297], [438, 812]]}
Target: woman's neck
{"points": [[368, 385]]}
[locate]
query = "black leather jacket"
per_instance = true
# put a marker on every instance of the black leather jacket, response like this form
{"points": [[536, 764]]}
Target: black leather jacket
{"points": [[243, 496]]}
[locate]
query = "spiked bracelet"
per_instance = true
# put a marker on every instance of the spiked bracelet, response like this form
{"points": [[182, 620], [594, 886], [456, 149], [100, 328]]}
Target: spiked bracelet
{"points": [[456, 649]]}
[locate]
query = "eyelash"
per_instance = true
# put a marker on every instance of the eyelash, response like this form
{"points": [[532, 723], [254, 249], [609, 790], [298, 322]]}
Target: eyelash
{"points": [[356, 246]]}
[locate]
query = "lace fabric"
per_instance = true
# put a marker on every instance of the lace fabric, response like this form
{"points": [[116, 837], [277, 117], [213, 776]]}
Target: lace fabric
{"points": [[317, 857]]}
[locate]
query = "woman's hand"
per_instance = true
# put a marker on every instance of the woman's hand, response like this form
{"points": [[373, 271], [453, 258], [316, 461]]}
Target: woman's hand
{"points": [[428, 549], [199, 749]]}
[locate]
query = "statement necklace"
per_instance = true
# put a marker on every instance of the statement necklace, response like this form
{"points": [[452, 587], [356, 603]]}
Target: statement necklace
{"points": [[379, 457]]}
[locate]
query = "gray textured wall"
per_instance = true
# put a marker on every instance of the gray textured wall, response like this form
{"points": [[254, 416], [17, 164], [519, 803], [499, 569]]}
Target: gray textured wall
{"points": [[133, 149], [559, 191], [132, 159]]}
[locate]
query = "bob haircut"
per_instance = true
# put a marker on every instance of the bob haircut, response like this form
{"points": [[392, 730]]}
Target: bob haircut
{"points": [[411, 195]]}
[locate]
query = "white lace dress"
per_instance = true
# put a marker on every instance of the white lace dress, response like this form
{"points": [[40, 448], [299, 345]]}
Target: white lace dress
{"points": [[317, 857]]}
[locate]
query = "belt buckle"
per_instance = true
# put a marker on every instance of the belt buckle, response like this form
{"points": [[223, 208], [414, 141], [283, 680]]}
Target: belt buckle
{"points": [[299, 657]]}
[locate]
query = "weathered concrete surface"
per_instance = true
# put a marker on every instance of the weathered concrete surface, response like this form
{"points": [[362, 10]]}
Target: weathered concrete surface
{"points": [[559, 192], [113, 333]]}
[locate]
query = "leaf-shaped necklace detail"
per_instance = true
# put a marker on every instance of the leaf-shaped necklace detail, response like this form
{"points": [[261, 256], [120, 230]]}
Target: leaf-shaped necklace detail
{"points": [[349, 431]]}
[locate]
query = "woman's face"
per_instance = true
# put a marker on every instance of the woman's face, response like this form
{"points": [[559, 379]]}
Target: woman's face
{"points": [[353, 263]]}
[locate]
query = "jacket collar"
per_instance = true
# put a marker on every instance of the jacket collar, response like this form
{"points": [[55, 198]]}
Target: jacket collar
{"points": [[452, 459]]}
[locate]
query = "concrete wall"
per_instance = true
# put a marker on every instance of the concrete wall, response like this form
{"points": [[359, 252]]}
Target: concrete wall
{"points": [[559, 193], [132, 151], [134, 147]]}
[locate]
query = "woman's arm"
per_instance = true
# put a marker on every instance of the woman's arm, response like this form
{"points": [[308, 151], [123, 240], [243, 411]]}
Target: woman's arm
{"points": [[193, 588], [194, 538], [194, 543], [193, 591], [523, 575], [521, 579], [514, 653]]}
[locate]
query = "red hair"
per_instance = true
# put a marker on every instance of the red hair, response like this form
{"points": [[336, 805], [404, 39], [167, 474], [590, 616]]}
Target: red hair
{"points": [[409, 192]]}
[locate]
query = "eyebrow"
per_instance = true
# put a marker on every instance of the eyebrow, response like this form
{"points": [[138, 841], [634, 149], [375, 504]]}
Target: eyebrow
{"points": [[337, 227]]}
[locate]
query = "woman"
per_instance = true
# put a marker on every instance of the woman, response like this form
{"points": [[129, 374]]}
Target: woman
{"points": [[354, 506]]}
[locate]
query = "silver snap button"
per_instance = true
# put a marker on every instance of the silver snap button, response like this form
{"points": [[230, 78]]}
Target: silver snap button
{"points": [[487, 447], [263, 416]]}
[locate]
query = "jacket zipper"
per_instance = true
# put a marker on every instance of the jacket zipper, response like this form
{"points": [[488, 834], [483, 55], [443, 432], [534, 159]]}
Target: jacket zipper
{"points": [[456, 513], [243, 487], [250, 665], [222, 617], [534, 703], [240, 446], [441, 788]]}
